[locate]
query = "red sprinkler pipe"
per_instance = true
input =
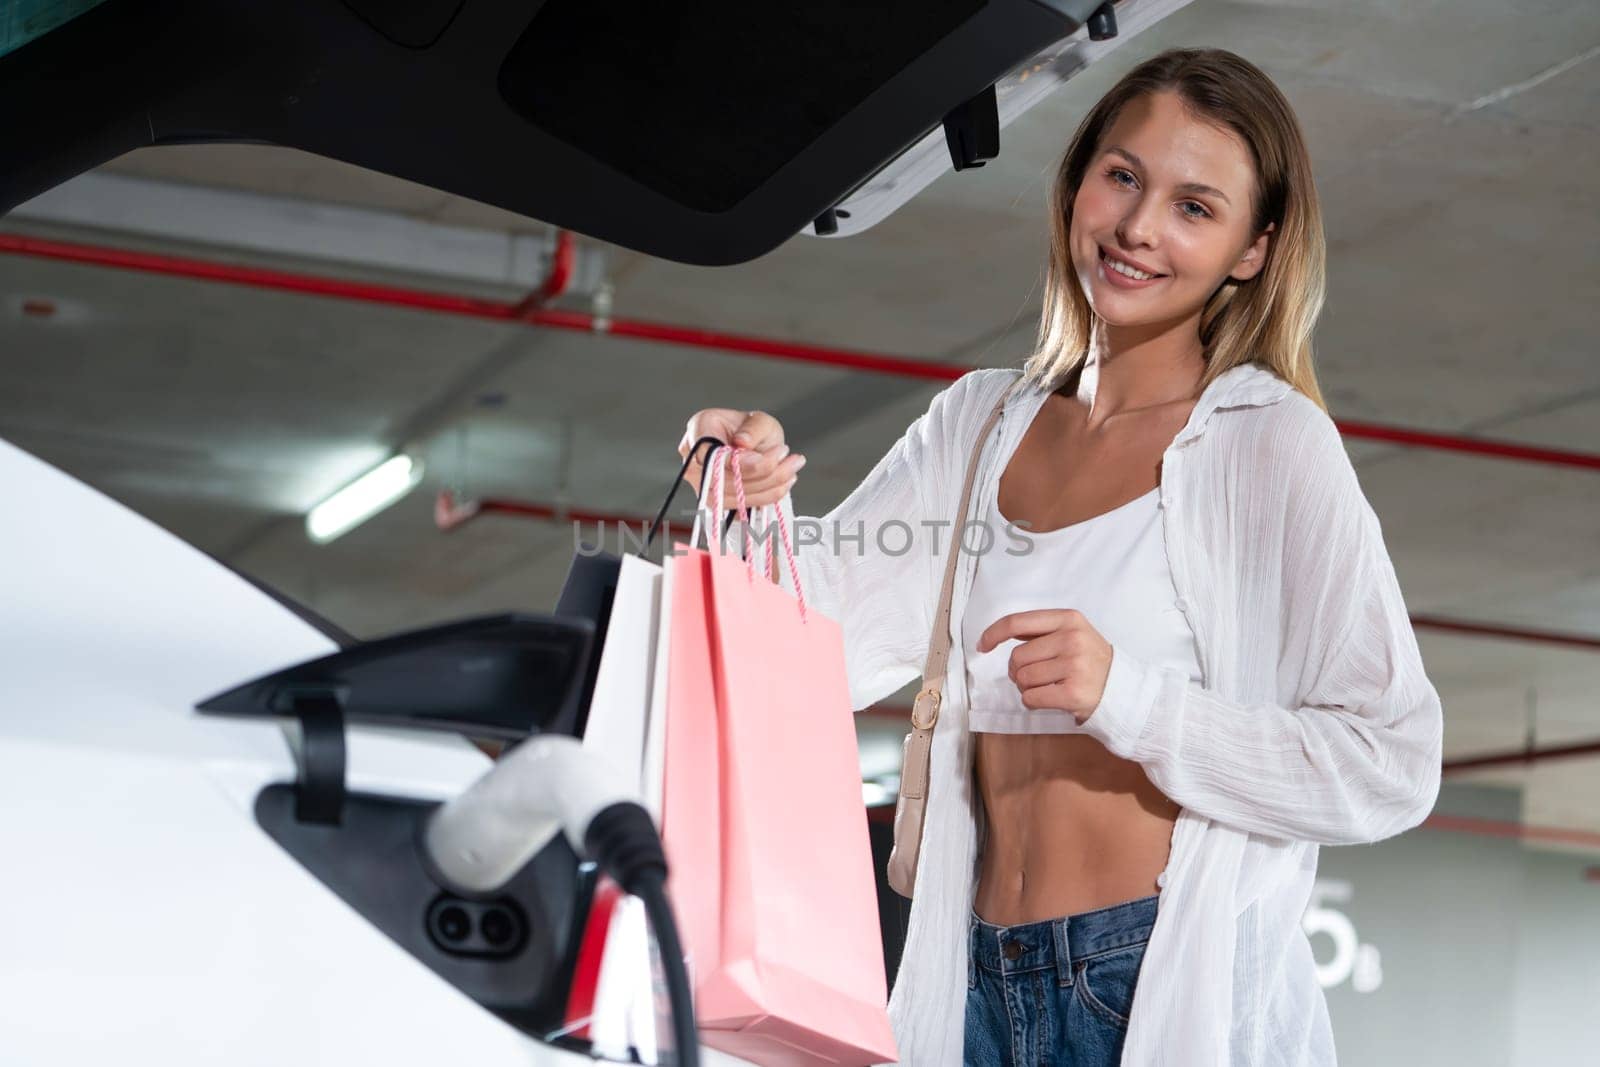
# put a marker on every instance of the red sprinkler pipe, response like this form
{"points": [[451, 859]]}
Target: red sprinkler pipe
{"points": [[1555, 457], [1509, 633], [529, 311], [1461, 824], [555, 283], [471, 307], [1519, 757]]}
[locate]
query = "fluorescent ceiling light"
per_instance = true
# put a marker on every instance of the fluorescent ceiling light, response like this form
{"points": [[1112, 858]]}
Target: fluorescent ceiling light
{"points": [[363, 498]]}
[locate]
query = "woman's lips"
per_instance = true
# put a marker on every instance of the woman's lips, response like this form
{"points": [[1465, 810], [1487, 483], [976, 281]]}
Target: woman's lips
{"points": [[1119, 280]]}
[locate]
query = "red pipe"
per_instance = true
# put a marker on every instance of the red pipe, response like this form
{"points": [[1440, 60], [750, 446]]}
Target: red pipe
{"points": [[1523, 756], [471, 307], [1460, 824], [527, 311], [1472, 445], [556, 282], [1512, 633]]}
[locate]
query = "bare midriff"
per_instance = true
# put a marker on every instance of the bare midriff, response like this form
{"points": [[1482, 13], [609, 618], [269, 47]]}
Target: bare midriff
{"points": [[1069, 827]]}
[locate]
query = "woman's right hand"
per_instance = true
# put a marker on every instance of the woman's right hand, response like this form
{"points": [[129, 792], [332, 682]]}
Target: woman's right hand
{"points": [[769, 468]]}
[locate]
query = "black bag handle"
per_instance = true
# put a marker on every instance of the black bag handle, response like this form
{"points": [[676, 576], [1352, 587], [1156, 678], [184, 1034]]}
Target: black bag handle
{"points": [[705, 467]]}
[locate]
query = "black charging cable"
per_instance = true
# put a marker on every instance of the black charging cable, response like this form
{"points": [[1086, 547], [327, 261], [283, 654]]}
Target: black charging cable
{"points": [[622, 838]]}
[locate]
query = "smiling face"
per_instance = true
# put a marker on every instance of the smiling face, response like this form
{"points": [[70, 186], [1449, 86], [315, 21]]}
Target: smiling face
{"points": [[1168, 195]]}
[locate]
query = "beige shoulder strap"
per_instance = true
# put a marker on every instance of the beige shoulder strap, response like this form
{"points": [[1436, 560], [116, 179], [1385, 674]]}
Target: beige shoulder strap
{"points": [[910, 810], [925, 710]]}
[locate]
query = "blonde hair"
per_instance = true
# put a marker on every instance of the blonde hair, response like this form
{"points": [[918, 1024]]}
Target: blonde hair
{"points": [[1268, 319]]}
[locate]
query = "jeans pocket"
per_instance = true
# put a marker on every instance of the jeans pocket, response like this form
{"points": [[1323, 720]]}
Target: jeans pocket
{"points": [[1105, 983]]}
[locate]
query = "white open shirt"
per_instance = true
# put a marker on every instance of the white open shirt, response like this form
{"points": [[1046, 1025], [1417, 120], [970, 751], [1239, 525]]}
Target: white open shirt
{"points": [[1315, 722]]}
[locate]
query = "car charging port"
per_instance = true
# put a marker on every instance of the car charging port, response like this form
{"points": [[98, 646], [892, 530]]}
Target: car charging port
{"points": [[464, 927]]}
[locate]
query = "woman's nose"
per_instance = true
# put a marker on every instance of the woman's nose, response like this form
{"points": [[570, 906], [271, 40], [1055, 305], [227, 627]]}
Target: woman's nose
{"points": [[1139, 225]]}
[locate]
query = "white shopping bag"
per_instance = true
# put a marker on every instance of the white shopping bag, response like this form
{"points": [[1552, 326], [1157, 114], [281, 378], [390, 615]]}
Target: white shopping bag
{"points": [[652, 776], [621, 728], [619, 709], [647, 1003]]}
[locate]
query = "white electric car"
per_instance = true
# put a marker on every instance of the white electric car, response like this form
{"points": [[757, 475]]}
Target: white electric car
{"points": [[210, 800]]}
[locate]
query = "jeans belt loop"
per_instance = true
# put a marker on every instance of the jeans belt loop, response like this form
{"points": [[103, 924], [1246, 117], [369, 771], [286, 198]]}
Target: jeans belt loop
{"points": [[1063, 953]]}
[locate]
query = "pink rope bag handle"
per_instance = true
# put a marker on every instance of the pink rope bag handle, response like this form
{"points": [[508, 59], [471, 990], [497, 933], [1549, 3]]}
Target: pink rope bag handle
{"points": [[717, 489]]}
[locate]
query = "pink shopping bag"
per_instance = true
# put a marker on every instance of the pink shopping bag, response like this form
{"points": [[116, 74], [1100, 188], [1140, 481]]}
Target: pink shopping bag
{"points": [[691, 803], [763, 816]]}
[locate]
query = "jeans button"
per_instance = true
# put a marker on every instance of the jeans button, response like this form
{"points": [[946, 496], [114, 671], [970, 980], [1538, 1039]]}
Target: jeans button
{"points": [[1012, 950]]}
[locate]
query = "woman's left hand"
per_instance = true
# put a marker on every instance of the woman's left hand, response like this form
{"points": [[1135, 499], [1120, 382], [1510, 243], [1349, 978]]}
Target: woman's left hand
{"points": [[1062, 661]]}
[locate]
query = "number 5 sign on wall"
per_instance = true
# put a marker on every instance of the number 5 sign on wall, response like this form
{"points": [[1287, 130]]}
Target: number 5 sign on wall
{"points": [[1352, 960]]}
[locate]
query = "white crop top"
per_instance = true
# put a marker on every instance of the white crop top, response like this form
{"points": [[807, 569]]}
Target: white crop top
{"points": [[1112, 567]]}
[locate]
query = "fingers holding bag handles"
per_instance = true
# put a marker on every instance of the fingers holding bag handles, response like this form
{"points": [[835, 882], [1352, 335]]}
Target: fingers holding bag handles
{"points": [[713, 489], [717, 462], [771, 468]]}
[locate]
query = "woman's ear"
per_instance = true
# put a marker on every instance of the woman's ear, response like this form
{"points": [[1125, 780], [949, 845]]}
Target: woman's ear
{"points": [[1254, 258]]}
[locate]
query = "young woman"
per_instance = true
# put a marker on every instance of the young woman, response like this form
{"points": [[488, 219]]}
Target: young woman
{"points": [[1193, 665]]}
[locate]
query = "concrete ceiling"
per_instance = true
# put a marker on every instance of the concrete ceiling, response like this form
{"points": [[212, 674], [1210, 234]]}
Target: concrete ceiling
{"points": [[1457, 149]]}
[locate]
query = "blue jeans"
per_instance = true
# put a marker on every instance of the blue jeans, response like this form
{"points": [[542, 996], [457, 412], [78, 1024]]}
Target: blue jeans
{"points": [[1054, 993]]}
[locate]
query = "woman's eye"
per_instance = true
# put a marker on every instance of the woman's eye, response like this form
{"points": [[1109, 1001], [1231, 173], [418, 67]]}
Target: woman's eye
{"points": [[1199, 213]]}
